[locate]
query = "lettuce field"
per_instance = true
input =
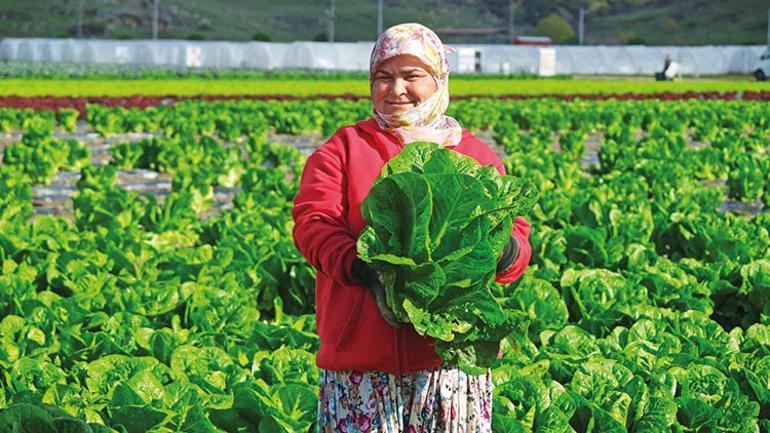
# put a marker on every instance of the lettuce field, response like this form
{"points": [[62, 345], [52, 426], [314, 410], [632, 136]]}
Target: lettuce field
{"points": [[646, 307]]}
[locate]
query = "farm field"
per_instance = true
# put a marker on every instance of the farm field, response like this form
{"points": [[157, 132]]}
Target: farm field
{"points": [[301, 87], [150, 282]]}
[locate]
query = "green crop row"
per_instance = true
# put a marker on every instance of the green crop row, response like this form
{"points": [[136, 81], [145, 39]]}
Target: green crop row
{"points": [[347, 85]]}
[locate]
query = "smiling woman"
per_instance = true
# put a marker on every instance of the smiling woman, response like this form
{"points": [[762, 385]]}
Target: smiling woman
{"points": [[378, 374]]}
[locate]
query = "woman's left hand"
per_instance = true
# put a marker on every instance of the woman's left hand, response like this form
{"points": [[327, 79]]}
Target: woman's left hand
{"points": [[508, 256]]}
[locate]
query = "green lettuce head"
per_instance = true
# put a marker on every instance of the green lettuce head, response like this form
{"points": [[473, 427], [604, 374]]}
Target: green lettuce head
{"points": [[438, 221]]}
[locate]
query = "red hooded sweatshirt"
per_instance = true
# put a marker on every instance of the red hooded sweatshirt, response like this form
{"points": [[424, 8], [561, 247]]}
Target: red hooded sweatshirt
{"points": [[327, 216]]}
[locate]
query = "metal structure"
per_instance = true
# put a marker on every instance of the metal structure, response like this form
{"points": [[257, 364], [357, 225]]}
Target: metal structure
{"points": [[581, 25], [330, 18], [155, 7]]}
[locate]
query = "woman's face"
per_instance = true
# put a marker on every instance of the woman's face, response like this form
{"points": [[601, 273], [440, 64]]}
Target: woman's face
{"points": [[400, 83]]}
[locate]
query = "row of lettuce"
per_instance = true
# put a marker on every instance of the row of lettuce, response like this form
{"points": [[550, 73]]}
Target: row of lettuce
{"points": [[124, 94], [711, 135], [23, 93], [645, 308]]}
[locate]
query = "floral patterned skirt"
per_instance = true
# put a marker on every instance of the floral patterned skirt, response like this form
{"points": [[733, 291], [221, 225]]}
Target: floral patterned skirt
{"points": [[436, 400]]}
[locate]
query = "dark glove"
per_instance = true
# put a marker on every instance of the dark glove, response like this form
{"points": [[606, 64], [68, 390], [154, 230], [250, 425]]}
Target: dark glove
{"points": [[508, 256], [372, 279]]}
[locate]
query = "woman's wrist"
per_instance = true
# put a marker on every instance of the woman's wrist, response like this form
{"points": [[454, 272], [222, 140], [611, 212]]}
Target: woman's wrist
{"points": [[356, 269], [361, 271]]}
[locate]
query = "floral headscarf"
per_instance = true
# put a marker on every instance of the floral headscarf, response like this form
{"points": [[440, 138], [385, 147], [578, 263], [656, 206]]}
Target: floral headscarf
{"points": [[425, 121]]}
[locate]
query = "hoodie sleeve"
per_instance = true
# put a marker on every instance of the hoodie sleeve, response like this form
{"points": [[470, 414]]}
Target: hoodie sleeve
{"points": [[321, 232]]}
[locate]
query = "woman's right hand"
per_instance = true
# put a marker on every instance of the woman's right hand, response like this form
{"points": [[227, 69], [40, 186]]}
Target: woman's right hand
{"points": [[372, 279]]}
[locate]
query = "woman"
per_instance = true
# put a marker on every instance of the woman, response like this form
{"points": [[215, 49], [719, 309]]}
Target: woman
{"points": [[378, 375]]}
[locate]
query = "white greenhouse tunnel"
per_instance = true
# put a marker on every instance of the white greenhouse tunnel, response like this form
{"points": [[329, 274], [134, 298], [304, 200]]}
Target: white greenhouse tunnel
{"points": [[354, 56]]}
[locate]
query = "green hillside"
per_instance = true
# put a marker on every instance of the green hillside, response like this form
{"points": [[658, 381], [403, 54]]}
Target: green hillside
{"points": [[656, 22]]}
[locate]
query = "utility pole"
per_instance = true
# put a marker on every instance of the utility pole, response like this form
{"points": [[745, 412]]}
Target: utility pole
{"points": [[330, 17], [512, 5], [379, 19], [581, 28], [768, 27], [155, 6], [80, 18]]}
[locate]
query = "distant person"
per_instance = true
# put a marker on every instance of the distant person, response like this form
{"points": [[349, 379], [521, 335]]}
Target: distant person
{"points": [[377, 374], [670, 69]]}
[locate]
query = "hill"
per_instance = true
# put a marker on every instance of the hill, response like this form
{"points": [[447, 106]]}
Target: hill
{"points": [[655, 22]]}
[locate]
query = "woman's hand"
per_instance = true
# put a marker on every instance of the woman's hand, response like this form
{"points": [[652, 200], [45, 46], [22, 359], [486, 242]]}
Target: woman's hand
{"points": [[372, 279], [508, 256]]}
